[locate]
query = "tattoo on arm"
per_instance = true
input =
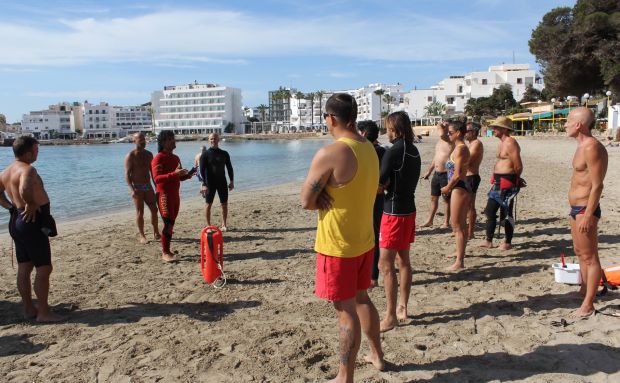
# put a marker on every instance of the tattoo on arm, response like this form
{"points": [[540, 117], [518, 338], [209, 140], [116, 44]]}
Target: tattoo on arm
{"points": [[316, 186]]}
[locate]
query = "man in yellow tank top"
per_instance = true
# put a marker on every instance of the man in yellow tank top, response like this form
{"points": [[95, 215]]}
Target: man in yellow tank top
{"points": [[342, 184]]}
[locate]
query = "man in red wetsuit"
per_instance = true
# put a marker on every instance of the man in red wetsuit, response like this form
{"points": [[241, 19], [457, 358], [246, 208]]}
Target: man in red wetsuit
{"points": [[168, 174]]}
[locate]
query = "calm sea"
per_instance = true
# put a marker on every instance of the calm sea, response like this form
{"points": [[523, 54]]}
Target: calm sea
{"points": [[83, 180]]}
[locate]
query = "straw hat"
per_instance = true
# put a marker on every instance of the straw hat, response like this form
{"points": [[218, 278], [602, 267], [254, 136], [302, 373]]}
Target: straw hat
{"points": [[502, 122]]}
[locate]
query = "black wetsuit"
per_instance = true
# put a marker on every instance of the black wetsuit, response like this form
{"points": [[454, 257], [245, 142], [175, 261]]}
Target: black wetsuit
{"points": [[213, 166], [32, 238], [502, 184], [376, 218], [400, 169]]}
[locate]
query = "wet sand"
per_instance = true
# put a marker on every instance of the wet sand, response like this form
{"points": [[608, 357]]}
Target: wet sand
{"points": [[132, 318]]}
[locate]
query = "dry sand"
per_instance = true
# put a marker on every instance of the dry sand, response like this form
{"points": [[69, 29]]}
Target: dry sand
{"points": [[134, 319]]}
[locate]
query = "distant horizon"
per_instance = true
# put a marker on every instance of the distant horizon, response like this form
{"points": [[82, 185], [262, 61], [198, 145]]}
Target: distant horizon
{"points": [[120, 54]]}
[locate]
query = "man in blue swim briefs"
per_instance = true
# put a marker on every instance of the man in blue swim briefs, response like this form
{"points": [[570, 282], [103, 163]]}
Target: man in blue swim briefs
{"points": [[138, 177], [30, 226], [586, 187]]}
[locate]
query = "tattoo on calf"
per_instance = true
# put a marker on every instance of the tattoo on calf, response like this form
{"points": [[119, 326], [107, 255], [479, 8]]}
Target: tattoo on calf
{"points": [[316, 186], [347, 344]]}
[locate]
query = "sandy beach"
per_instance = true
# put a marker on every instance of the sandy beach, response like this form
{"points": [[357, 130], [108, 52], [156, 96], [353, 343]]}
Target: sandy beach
{"points": [[132, 318]]}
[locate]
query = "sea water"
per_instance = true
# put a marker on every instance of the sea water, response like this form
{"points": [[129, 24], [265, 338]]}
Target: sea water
{"points": [[84, 180]]}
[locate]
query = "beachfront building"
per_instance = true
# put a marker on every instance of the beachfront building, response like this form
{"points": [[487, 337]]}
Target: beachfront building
{"points": [[455, 91], [60, 121], [100, 121], [198, 109], [377, 100], [133, 119]]}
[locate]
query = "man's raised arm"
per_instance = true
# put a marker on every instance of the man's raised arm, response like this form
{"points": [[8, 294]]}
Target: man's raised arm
{"points": [[313, 194]]}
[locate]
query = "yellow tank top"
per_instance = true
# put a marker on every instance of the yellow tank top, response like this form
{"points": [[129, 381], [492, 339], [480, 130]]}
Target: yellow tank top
{"points": [[345, 230]]}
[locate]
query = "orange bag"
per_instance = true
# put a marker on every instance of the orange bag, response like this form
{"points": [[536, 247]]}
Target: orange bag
{"points": [[212, 256]]}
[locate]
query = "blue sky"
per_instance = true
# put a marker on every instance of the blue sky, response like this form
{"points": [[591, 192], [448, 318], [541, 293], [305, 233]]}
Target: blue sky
{"points": [[121, 51]]}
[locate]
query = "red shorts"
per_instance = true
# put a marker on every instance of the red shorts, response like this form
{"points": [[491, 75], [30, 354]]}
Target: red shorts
{"points": [[397, 231], [338, 279]]}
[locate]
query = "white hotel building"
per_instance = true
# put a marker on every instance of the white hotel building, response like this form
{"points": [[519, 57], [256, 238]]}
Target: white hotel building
{"points": [[454, 91], [197, 109], [100, 121], [58, 121]]}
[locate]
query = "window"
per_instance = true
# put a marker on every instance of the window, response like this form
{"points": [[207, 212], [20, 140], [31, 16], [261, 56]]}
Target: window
{"points": [[519, 80], [484, 81], [459, 89], [429, 99]]}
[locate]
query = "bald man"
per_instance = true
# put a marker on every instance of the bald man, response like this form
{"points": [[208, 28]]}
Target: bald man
{"points": [[213, 166], [586, 187], [138, 177]]}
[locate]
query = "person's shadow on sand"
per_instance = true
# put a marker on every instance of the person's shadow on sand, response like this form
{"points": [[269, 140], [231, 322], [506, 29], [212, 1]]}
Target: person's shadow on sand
{"points": [[575, 359], [133, 312], [18, 345]]}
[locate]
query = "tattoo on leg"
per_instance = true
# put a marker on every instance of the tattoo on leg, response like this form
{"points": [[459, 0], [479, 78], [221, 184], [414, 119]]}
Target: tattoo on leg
{"points": [[316, 186], [347, 342]]}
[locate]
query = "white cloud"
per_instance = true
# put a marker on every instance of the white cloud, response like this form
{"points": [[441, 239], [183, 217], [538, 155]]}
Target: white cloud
{"points": [[228, 37]]}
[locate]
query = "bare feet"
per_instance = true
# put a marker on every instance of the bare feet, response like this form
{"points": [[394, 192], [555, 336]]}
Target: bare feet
{"points": [[486, 244], [456, 266], [30, 313], [388, 324], [401, 313], [428, 224], [444, 226], [376, 361], [49, 317], [157, 236], [142, 239], [167, 257], [582, 313], [505, 246], [224, 228], [374, 283]]}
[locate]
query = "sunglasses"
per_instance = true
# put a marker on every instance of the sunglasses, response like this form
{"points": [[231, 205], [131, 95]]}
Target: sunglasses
{"points": [[328, 114], [451, 133]]}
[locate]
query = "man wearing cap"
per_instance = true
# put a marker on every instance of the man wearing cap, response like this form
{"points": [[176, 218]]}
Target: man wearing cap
{"points": [[506, 183]]}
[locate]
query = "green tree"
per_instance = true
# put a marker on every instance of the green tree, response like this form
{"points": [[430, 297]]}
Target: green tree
{"points": [[229, 128], [380, 93], [262, 108], [531, 94], [388, 100], [435, 108], [311, 96], [299, 96], [578, 49], [319, 96]]}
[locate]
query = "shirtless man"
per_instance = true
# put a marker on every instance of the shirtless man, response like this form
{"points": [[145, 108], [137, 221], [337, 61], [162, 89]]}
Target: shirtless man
{"points": [[443, 148], [506, 181], [589, 168], [30, 226], [342, 184], [476, 152], [138, 177]]}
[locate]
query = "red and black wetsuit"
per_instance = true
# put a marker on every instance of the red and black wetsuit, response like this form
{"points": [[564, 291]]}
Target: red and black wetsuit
{"points": [[167, 185]]}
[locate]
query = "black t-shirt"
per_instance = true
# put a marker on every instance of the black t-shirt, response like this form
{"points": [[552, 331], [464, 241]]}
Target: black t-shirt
{"points": [[213, 165], [400, 169]]}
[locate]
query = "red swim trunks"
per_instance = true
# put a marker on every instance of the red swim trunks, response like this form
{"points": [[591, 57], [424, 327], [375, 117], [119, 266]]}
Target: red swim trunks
{"points": [[397, 231], [338, 279]]}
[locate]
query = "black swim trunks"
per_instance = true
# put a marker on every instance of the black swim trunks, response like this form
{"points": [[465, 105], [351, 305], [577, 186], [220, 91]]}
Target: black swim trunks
{"points": [[222, 191], [580, 210], [438, 181], [474, 182], [32, 238]]}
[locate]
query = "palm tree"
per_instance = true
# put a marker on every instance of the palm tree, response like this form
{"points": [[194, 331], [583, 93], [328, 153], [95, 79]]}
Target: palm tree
{"points": [[319, 95], [379, 92], [435, 108], [311, 96], [299, 96], [388, 100], [262, 108]]}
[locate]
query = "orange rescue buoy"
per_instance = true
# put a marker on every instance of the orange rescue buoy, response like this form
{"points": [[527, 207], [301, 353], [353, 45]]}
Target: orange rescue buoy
{"points": [[612, 274], [212, 256]]}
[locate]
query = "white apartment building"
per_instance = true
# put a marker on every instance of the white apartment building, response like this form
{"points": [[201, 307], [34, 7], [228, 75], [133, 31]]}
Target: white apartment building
{"points": [[249, 112], [371, 105], [197, 109], [133, 119], [455, 91], [58, 121], [100, 121]]}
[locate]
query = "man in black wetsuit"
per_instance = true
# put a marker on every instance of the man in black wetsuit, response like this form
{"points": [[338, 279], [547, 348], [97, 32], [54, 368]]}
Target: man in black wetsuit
{"points": [[213, 166], [370, 130], [400, 170]]}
